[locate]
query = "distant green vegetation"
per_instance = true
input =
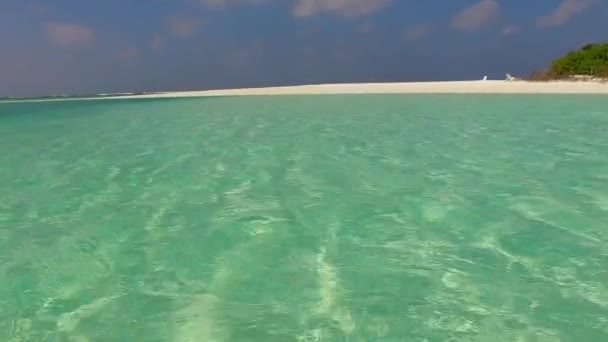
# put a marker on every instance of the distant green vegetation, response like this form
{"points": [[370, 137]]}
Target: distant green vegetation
{"points": [[590, 60]]}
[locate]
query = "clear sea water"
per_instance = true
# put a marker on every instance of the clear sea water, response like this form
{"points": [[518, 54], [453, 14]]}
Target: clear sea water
{"points": [[305, 218]]}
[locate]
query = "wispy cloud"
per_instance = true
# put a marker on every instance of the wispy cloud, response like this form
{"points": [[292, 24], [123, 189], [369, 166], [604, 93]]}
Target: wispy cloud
{"points": [[416, 32], [476, 16], [157, 42], [365, 28], [65, 34], [225, 3], [510, 30], [246, 56], [564, 12], [184, 26], [306, 8], [36, 8], [126, 54], [347, 8]]}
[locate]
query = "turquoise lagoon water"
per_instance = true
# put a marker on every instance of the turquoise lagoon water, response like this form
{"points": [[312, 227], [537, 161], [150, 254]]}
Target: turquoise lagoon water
{"points": [[310, 218]]}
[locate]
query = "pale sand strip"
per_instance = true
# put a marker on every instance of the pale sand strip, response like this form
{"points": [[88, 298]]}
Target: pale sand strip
{"points": [[454, 87], [443, 87]]}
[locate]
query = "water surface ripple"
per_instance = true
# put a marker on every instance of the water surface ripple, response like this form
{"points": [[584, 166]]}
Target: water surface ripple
{"points": [[305, 218]]}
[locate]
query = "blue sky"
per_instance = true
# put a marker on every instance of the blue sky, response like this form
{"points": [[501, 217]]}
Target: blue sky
{"points": [[75, 46]]}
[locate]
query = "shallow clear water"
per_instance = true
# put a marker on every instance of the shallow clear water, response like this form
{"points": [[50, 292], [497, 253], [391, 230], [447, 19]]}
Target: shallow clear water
{"points": [[310, 218]]}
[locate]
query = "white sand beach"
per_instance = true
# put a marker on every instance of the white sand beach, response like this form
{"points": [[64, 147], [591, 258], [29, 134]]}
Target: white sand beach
{"points": [[448, 87]]}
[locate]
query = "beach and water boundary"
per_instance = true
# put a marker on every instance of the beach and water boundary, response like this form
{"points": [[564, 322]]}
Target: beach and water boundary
{"points": [[444, 87], [439, 87]]}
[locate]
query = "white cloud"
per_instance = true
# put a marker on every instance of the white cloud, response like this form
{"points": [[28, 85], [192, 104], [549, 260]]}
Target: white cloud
{"points": [[306, 8], [126, 54], [476, 16], [348, 8], [510, 30], [564, 12], [365, 28], [246, 56], [157, 42], [65, 34], [36, 8], [416, 32], [184, 26], [224, 3]]}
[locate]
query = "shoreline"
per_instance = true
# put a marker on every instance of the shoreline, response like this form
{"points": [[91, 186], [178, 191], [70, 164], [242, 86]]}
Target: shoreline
{"points": [[442, 87], [439, 87]]}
